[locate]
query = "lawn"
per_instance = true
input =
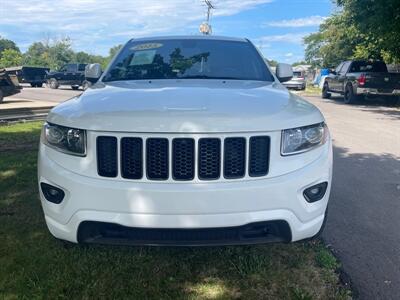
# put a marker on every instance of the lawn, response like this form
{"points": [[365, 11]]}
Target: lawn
{"points": [[35, 265]]}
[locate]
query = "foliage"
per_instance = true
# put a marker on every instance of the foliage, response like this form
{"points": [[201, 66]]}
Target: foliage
{"points": [[362, 29], [114, 50], [379, 23], [9, 58], [7, 44], [272, 63], [299, 63], [51, 53], [36, 55]]}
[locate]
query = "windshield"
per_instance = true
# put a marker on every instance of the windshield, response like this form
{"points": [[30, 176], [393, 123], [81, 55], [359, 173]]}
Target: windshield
{"points": [[297, 74], [188, 58], [364, 66]]}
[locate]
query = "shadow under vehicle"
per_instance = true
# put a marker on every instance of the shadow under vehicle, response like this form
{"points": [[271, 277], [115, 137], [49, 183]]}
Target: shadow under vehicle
{"points": [[35, 76], [9, 85]]}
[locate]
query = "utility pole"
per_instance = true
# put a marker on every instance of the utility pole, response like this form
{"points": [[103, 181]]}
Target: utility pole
{"points": [[210, 6], [205, 27]]}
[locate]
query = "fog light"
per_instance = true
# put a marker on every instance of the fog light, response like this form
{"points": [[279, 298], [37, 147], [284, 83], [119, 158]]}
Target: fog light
{"points": [[51, 193], [315, 192]]}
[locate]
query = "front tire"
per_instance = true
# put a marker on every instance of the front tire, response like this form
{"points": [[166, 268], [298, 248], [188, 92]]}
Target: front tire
{"points": [[325, 91], [74, 87], [53, 83], [349, 96]]}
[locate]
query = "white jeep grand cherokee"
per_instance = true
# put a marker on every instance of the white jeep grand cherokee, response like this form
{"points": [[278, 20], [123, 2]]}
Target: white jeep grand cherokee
{"points": [[185, 141]]}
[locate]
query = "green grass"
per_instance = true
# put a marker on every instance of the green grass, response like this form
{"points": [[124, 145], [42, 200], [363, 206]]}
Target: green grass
{"points": [[35, 265], [312, 90]]}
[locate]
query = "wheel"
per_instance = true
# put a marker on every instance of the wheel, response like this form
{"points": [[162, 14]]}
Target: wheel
{"points": [[392, 100], [75, 87], [53, 83], [325, 91], [349, 96], [1, 96], [39, 84], [33, 84]]}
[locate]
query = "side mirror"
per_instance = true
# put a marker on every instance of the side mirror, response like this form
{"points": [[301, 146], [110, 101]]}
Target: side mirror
{"points": [[333, 72], [93, 72], [284, 72]]}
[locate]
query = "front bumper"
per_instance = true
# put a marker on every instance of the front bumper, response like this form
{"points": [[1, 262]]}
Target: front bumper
{"points": [[185, 205]]}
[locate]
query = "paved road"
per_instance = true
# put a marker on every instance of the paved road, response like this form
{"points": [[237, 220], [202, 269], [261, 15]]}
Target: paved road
{"points": [[45, 94], [364, 215]]}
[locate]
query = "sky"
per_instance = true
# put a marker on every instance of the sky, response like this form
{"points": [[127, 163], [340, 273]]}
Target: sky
{"points": [[277, 27]]}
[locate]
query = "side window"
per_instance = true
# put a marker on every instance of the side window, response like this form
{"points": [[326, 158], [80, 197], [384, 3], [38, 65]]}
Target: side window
{"points": [[337, 70], [345, 67], [63, 68], [81, 67], [71, 68]]}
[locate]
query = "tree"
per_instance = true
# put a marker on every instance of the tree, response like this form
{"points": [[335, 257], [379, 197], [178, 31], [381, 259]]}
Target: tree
{"points": [[10, 58], [7, 44], [271, 62], [379, 24], [60, 53], [114, 50], [36, 55], [362, 29], [335, 41], [299, 63]]}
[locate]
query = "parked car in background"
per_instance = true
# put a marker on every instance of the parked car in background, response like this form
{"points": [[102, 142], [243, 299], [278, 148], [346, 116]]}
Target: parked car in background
{"points": [[186, 140], [298, 81], [35, 76], [359, 78], [70, 74], [9, 84]]}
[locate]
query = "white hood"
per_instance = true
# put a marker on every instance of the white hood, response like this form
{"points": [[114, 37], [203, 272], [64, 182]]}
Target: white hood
{"points": [[197, 106]]}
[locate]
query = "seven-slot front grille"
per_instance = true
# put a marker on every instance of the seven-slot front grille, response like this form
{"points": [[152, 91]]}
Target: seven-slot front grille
{"points": [[181, 159]]}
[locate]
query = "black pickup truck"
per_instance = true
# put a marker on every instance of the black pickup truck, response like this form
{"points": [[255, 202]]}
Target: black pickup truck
{"points": [[69, 74], [358, 79], [35, 76]]}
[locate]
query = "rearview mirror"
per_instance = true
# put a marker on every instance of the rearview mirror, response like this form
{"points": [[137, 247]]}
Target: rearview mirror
{"points": [[284, 72], [93, 72]]}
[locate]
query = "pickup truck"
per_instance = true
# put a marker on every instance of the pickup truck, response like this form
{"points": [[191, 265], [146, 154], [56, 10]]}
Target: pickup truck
{"points": [[35, 76], [69, 74], [185, 140], [358, 79]]}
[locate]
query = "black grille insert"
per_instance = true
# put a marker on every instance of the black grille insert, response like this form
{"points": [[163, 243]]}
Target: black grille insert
{"points": [[259, 156], [253, 233], [107, 164], [234, 157], [209, 158], [132, 158], [183, 159], [157, 158]]}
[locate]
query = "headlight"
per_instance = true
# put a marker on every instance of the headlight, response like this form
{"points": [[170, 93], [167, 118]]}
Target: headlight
{"points": [[302, 139], [65, 139]]}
